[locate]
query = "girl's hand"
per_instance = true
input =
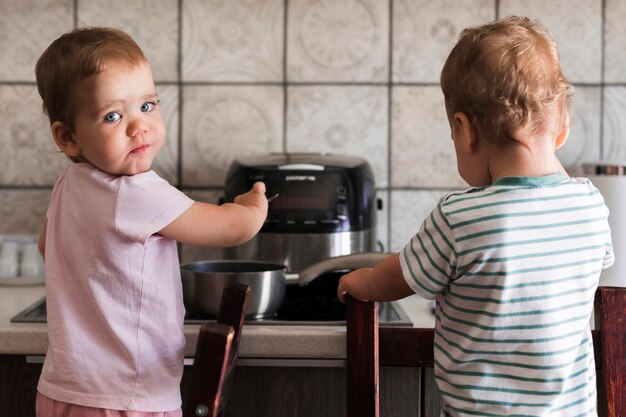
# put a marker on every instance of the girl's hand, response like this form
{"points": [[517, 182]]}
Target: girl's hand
{"points": [[254, 197]]}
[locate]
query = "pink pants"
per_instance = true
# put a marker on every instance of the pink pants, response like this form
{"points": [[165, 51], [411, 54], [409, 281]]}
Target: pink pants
{"points": [[47, 407]]}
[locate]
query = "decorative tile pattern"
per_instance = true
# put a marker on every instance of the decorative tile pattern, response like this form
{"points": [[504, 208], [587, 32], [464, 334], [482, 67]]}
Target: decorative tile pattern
{"points": [[233, 40], [23, 211], [615, 41], [422, 152], [424, 32], [583, 144], [344, 40], [343, 45], [614, 144], [340, 120], [408, 211], [28, 27], [221, 123], [154, 28], [28, 154], [575, 24], [166, 163]]}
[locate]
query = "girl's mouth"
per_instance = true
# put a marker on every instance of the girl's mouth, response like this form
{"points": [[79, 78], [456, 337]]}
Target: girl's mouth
{"points": [[140, 149]]}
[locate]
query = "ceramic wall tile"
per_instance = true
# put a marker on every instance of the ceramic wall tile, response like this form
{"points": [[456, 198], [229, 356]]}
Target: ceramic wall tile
{"points": [[166, 163], [382, 220], [422, 152], [27, 28], [28, 154], [23, 211], [576, 26], [424, 32], [153, 25], [349, 120], [240, 40], [615, 41], [583, 144], [408, 210], [333, 41], [221, 123], [614, 124]]}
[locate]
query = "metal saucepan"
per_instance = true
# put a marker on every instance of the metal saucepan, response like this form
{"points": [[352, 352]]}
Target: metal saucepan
{"points": [[204, 281]]}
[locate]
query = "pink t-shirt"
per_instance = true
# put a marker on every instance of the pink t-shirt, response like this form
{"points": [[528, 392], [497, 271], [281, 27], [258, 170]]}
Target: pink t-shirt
{"points": [[114, 294]]}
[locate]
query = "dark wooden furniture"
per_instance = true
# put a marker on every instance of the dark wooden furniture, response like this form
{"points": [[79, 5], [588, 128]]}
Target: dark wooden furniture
{"points": [[369, 347], [216, 356]]}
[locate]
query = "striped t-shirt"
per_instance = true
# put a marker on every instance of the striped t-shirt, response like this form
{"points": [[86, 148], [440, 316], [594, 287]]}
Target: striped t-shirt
{"points": [[514, 268]]}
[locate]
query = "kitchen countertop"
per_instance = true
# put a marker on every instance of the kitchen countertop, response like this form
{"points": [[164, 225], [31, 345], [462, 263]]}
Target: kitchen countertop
{"points": [[258, 342]]}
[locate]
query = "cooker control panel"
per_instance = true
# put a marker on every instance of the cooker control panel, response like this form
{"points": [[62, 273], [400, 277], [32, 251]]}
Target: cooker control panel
{"points": [[332, 199]]}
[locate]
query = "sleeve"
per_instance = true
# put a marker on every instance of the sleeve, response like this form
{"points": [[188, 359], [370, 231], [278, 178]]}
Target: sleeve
{"points": [[428, 260], [609, 254], [146, 203]]}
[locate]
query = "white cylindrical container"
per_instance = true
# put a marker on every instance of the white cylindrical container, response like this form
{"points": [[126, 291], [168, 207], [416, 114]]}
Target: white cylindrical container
{"points": [[610, 179], [9, 259], [32, 261]]}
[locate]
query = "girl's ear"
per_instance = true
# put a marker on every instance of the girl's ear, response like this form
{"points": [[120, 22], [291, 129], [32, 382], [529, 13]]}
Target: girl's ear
{"points": [[64, 138], [564, 134], [466, 133]]}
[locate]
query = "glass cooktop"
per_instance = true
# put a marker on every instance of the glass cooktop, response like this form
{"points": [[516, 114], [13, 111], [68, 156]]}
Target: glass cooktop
{"points": [[389, 314]]}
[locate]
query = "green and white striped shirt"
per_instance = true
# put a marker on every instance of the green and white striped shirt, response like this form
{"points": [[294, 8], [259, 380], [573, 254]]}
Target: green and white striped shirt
{"points": [[514, 268]]}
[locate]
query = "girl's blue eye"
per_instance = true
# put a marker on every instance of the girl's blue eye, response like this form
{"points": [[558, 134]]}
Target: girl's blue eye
{"points": [[147, 107], [112, 117]]}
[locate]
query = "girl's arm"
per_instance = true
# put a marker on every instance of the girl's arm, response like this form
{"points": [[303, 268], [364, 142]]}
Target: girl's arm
{"points": [[227, 225], [384, 282], [41, 242]]}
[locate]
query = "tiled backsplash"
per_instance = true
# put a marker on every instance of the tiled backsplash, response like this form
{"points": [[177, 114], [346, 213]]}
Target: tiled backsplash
{"points": [[360, 77]]}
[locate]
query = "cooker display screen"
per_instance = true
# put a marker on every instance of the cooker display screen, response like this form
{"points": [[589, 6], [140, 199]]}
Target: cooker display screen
{"points": [[311, 202]]}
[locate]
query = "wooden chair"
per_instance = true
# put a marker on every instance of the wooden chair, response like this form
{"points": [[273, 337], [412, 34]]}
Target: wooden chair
{"points": [[369, 347], [216, 355]]}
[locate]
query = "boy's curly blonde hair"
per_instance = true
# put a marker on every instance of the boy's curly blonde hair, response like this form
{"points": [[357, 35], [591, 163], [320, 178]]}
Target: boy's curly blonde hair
{"points": [[77, 55], [506, 77]]}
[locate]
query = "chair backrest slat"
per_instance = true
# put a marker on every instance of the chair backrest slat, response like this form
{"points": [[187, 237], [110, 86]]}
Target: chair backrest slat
{"points": [[216, 353], [362, 360], [413, 347]]}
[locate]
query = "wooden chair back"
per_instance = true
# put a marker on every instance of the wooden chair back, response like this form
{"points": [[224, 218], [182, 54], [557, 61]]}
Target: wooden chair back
{"points": [[369, 347], [216, 355]]}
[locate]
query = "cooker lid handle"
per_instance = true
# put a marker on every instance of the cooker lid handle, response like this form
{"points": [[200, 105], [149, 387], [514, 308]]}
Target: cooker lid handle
{"points": [[353, 261]]}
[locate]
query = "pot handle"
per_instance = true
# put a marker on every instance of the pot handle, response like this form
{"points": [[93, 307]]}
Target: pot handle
{"points": [[353, 261]]}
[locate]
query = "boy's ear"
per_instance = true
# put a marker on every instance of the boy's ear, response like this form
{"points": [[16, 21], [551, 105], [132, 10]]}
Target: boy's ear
{"points": [[466, 132], [564, 134], [64, 138]]}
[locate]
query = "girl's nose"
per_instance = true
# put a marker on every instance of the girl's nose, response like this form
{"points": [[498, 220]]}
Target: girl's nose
{"points": [[137, 127]]}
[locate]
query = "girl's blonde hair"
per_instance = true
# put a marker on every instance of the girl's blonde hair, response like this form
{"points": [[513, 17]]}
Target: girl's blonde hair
{"points": [[506, 76], [77, 55]]}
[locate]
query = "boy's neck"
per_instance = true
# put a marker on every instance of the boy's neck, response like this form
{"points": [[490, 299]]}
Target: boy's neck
{"points": [[520, 161]]}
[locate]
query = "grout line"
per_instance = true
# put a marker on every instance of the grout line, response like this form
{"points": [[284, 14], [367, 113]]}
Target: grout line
{"points": [[285, 83], [602, 69], [179, 68], [389, 125]]}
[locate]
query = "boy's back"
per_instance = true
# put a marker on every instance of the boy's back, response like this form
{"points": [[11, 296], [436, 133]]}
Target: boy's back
{"points": [[524, 257]]}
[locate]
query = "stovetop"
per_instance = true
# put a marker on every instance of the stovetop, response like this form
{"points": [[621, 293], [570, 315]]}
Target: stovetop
{"points": [[315, 304], [389, 314]]}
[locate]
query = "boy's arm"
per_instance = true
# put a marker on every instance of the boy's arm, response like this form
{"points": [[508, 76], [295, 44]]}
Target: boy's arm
{"points": [[384, 282], [227, 225]]}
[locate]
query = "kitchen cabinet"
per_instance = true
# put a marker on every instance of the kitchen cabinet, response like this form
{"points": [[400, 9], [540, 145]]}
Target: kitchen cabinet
{"points": [[18, 386], [260, 391]]}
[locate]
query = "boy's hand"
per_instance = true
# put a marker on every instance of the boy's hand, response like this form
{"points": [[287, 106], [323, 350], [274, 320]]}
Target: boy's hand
{"points": [[351, 284]]}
